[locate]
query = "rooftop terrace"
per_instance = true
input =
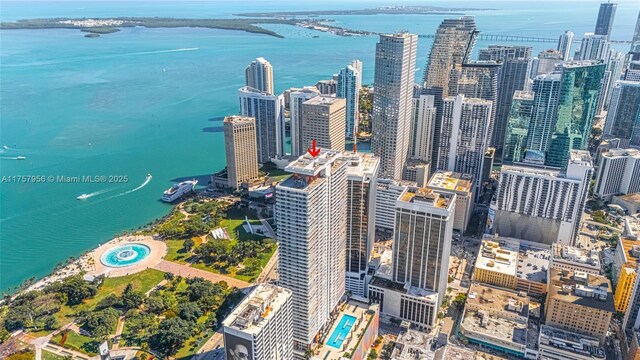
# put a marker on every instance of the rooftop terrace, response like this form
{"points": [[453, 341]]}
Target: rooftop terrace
{"points": [[259, 306], [426, 196], [450, 180]]}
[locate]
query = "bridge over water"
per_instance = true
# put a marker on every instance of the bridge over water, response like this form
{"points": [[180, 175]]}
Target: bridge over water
{"points": [[516, 38]]}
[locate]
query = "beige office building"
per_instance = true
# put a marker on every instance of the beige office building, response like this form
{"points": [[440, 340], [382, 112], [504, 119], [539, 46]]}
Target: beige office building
{"points": [[240, 145], [461, 185], [323, 120], [579, 302]]}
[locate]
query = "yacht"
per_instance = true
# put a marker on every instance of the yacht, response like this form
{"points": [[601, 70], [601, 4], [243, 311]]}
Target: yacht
{"points": [[83, 196], [178, 190]]}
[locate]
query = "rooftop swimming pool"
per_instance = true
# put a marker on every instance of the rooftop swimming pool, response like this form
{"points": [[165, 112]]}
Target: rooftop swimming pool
{"points": [[341, 331]]}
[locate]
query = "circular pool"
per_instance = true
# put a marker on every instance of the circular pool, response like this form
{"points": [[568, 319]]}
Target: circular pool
{"points": [[125, 255]]}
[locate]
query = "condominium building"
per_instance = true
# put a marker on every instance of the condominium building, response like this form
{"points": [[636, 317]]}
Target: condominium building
{"points": [[311, 215], [416, 171], [579, 302], [632, 73], [348, 87], [540, 204], [393, 82], [261, 326], [593, 47], [580, 87], [240, 146], [417, 282], [387, 193], [259, 75], [453, 44], [624, 271], [565, 257], [328, 87], [558, 344], [296, 99], [424, 115], [465, 136], [635, 41], [462, 186], [545, 62], [497, 318], [514, 73], [615, 66], [564, 44], [323, 120], [604, 23], [544, 110], [517, 127], [623, 115], [618, 173], [362, 175], [268, 111]]}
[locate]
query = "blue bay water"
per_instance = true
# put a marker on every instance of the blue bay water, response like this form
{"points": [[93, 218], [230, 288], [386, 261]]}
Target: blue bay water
{"points": [[152, 100]]}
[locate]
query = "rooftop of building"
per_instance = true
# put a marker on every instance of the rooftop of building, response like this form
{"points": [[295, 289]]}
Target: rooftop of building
{"points": [[469, 100], [257, 308], [619, 152], [498, 256], [386, 183], [426, 196], [361, 164], [325, 100], [523, 95], [482, 63], [452, 352], [489, 325], [550, 54], [581, 63], [632, 198], [364, 314], [492, 298], [580, 288], [570, 341], [381, 259], [449, 180], [237, 119], [413, 344], [306, 169], [416, 163], [631, 251], [526, 169], [575, 255], [533, 263], [549, 77], [399, 34], [580, 157], [632, 224], [249, 89]]}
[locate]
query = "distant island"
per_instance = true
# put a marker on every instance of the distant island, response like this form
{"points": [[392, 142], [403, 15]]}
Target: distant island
{"points": [[111, 25], [394, 10]]}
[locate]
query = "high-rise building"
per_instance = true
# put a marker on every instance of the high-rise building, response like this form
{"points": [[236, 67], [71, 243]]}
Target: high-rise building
{"points": [[516, 66], [240, 145], [478, 79], [261, 326], [635, 42], [328, 87], [362, 175], [604, 23], [542, 205], [393, 83], [259, 75], [387, 192], [296, 99], [580, 302], [323, 119], [580, 88], [465, 136], [623, 117], [417, 171], [268, 111], [632, 73], [545, 63], [417, 282], [564, 44], [348, 87], [453, 44], [518, 127], [546, 90], [312, 229], [424, 114], [593, 47], [618, 173], [615, 67], [462, 186]]}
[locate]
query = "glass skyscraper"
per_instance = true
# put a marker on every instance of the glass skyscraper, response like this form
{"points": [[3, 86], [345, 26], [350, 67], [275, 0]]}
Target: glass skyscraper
{"points": [[605, 19], [518, 126], [348, 87], [580, 87]]}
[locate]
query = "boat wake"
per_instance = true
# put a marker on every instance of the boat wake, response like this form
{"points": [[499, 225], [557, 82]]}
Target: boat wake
{"points": [[86, 196], [146, 181], [12, 157]]}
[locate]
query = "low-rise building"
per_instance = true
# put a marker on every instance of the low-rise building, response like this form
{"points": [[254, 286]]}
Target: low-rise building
{"points": [[462, 186], [579, 302], [632, 227], [558, 344], [629, 202], [574, 259], [497, 319]]}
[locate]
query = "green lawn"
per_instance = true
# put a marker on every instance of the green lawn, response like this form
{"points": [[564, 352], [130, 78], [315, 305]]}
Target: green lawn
{"points": [[175, 250], [264, 259], [75, 341], [47, 355], [275, 173], [142, 281]]}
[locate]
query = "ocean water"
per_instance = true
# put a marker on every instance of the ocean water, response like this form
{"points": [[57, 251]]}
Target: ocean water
{"points": [[152, 101]]}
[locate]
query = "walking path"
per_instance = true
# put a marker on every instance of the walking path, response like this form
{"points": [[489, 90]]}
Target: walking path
{"points": [[185, 270]]}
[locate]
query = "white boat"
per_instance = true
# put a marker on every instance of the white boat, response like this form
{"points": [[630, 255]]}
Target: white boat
{"points": [[21, 158], [178, 190], [83, 196]]}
